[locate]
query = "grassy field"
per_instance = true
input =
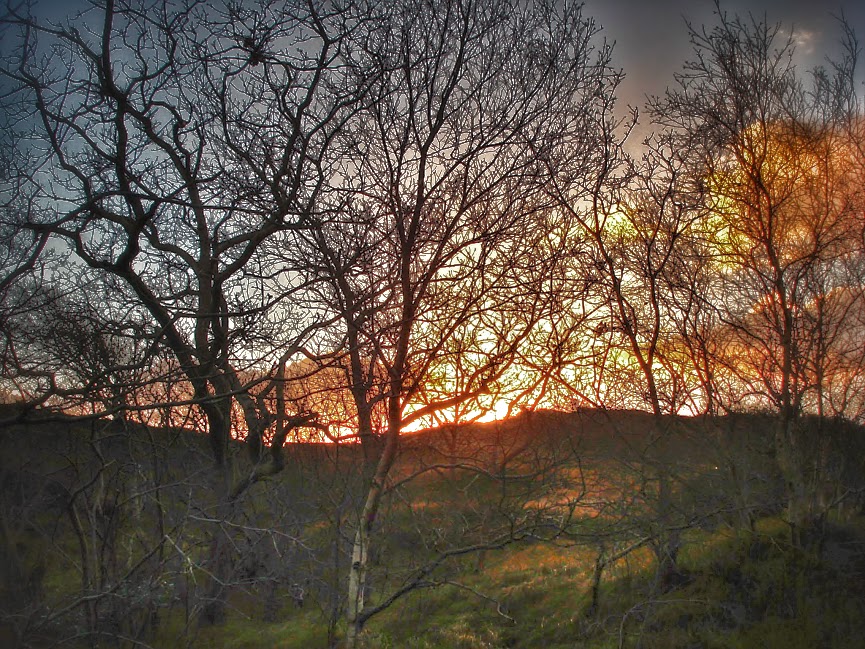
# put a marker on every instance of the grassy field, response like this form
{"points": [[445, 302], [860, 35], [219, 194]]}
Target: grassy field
{"points": [[739, 581], [739, 591]]}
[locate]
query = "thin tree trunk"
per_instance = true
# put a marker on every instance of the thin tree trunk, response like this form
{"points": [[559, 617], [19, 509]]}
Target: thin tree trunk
{"points": [[219, 568], [360, 550]]}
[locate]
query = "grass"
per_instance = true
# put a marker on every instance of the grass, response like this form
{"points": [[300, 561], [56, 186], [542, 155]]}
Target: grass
{"points": [[743, 590], [740, 589]]}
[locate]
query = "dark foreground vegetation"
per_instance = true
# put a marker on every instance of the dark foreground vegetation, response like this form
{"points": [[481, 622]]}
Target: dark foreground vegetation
{"points": [[541, 530], [230, 229]]}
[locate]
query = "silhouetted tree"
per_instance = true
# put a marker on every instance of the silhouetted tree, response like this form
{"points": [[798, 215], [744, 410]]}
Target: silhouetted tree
{"points": [[167, 154], [775, 157], [433, 258]]}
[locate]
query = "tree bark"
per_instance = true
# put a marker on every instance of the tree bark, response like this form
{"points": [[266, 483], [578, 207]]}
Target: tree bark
{"points": [[219, 560], [360, 551]]}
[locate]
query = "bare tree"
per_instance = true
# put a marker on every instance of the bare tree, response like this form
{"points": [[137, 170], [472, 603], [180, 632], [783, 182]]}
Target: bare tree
{"points": [[771, 152], [433, 259], [639, 273], [164, 143]]}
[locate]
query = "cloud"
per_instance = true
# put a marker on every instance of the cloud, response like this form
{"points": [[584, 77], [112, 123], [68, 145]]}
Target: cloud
{"points": [[805, 40]]}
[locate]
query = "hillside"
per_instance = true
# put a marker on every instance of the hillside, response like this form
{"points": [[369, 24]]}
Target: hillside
{"points": [[540, 530]]}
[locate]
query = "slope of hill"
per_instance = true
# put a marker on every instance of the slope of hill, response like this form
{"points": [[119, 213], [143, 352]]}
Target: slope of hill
{"points": [[539, 530]]}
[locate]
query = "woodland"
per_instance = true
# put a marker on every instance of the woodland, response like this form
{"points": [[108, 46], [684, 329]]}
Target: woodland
{"points": [[369, 323]]}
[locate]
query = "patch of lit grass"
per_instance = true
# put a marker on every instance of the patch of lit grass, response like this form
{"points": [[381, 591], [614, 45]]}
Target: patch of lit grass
{"points": [[743, 590], [299, 632]]}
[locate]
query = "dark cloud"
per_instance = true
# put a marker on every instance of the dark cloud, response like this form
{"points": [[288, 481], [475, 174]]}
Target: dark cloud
{"points": [[651, 37]]}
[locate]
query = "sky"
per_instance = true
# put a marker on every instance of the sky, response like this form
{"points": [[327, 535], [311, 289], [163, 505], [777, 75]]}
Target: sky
{"points": [[651, 40], [651, 36]]}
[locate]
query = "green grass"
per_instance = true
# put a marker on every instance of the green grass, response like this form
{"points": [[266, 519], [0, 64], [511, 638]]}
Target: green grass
{"points": [[742, 589], [242, 632]]}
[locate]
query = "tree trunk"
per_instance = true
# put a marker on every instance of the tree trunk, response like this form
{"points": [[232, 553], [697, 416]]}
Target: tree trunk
{"points": [[218, 571], [219, 564], [804, 515], [356, 585], [360, 551], [600, 564], [219, 567], [669, 539]]}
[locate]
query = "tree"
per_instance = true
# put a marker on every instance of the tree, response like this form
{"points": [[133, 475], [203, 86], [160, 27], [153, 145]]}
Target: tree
{"points": [[781, 197], [165, 144], [432, 258], [21, 249], [23, 258], [640, 275]]}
